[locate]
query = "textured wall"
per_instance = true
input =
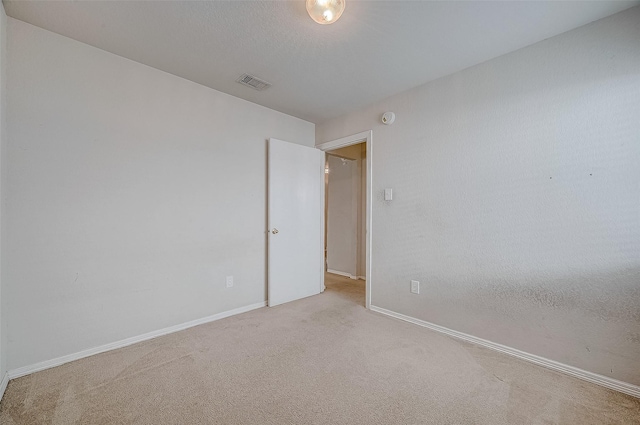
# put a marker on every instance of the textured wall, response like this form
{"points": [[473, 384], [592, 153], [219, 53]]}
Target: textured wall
{"points": [[132, 193], [3, 143], [517, 198]]}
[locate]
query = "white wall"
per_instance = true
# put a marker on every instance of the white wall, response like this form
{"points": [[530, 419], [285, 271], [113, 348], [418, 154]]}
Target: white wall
{"points": [[131, 194], [358, 152], [3, 142], [362, 213], [342, 216], [517, 198]]}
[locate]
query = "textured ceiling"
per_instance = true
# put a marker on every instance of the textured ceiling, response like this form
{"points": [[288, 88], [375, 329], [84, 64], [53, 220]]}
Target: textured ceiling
{"points": [[377, 48]]}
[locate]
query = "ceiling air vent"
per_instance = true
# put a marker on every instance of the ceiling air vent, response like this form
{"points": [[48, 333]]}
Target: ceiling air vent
{"points": [[253, 82]]}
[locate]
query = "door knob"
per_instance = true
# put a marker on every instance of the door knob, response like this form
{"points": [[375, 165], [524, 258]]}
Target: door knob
{"points": [[274, 231]]}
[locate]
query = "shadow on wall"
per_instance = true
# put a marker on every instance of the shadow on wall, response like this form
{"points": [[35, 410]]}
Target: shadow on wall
{"points": [[585, 319], [608, 296]]}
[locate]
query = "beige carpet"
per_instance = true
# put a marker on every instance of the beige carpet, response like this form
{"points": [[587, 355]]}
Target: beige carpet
{"points": [[321, 360]]}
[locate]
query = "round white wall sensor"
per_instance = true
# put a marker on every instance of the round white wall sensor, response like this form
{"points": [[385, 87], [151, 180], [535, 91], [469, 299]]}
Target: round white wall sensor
{"points": [[388, 118]]}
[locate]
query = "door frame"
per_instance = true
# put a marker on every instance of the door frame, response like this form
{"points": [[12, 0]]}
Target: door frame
{"points": [[367, 137]]}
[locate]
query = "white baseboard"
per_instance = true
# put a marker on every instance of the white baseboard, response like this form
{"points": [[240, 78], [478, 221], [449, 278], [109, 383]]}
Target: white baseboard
{"points": [[349, 275], [362, 278], [605, 381], [3, 384], [26, 370]]}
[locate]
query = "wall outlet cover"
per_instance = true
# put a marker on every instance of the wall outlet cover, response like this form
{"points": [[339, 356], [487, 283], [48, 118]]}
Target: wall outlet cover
{"points": [[415, 287]]}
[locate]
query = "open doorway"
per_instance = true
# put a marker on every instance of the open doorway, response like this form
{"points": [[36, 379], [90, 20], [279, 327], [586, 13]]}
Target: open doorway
{"points": [[345, 217], [348, 215]]}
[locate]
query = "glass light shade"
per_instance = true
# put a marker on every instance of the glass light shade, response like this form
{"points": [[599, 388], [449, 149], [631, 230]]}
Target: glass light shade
{"points": [[325, 11]]}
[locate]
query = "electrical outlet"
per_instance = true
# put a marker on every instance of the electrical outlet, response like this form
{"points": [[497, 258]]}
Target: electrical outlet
{"points": [[229, 281], [415, 287]]}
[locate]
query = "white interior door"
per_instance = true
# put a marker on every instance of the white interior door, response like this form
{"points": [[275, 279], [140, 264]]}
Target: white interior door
{"points": [[296, 221]]}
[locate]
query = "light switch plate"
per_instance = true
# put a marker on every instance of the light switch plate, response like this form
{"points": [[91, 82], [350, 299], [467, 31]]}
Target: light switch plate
{"points": [[388, 194]]}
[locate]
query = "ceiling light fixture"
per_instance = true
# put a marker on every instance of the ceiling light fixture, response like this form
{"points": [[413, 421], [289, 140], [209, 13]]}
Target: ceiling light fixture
{"points": [[325, 11]]}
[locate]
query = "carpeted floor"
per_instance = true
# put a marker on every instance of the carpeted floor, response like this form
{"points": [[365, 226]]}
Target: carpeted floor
{"points": [[321, 360]]}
